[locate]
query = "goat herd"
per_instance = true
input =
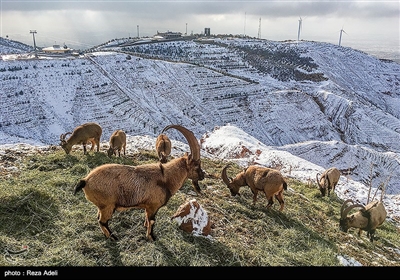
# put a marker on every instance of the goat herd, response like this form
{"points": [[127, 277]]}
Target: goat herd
{"points": [[149, 186]]}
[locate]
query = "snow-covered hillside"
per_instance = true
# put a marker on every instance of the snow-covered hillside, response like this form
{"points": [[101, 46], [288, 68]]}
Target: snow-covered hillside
{"points": [[326, 104], [13, 47]]}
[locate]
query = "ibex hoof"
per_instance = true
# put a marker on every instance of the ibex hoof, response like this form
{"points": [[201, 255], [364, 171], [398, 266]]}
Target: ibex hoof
{"points": [[150, 238]]}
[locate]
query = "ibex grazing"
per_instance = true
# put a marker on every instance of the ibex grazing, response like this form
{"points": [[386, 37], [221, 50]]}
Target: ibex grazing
{"points": [[149, 186], [88, 132], [117, 143], [368, 218], [258, 178], [328, 180], [163, 147]]}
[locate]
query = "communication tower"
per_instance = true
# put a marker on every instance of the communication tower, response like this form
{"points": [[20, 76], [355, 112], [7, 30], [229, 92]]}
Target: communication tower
{"points": [[33, 32]]}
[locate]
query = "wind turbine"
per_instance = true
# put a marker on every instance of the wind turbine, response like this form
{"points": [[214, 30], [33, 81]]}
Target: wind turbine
{"points": [[298, 32], [340, 37]]}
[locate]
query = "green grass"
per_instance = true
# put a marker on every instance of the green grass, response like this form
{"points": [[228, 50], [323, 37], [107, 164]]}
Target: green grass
{"points": [[38, 209]]}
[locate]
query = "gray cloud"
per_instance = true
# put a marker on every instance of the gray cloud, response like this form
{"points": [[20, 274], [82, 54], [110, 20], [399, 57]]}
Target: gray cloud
{"points": [[266, 8], [93, 22]]}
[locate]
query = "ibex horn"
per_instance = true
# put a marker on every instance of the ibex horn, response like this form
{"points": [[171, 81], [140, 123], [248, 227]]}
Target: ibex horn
{"points": [[319, 185], [224, 176], [62, 136], [190, 138], [344, 205], [347, 210]]}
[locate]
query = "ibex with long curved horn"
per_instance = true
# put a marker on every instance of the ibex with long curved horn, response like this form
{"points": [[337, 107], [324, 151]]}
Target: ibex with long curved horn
{"points": [[368, 218], [163, 148], [258, 178], [149, 186]]}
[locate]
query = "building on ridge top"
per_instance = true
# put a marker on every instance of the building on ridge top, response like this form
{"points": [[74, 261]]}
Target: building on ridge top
{"points": [[57, 49]]}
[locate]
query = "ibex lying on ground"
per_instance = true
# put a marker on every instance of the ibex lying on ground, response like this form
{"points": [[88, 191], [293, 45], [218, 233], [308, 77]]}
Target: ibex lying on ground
{"points": [[328, 180], [117, 143], [368, 218], [163, 147], [258, 178], [149, 186], [88, 132]]}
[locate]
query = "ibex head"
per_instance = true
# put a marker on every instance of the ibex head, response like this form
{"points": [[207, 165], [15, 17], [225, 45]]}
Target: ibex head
{"points": [[111, 151], [346, 222], [193, 159], [233, 184], [64, 144]]}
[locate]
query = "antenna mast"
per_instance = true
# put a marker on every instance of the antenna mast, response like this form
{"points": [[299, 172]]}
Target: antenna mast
{"points": [[298, 32], [138, 30], [340, 37], [259, 29], [244, 29], [33, 32]]}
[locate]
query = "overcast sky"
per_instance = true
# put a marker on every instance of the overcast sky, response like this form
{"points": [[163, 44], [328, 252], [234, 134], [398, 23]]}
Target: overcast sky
{"points": [[82, 24]]}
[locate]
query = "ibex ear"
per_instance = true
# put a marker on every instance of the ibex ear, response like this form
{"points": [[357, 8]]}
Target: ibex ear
{"points": [[189, 157]]}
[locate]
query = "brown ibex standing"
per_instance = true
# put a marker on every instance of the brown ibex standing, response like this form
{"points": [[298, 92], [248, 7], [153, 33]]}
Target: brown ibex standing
{"points": [[328, 180], [163, 147], [117, 143], [88, 132], [368, 218], [258, 178], [149, 186]]}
